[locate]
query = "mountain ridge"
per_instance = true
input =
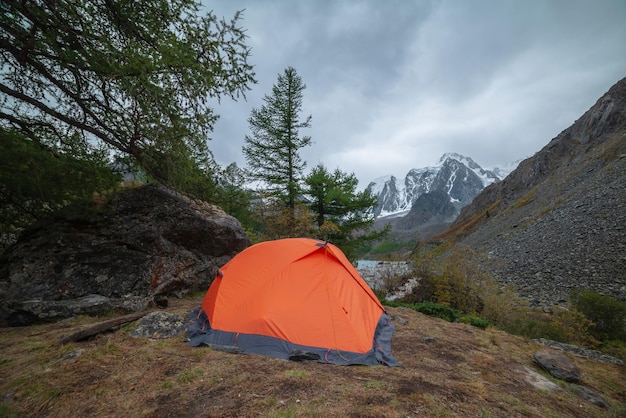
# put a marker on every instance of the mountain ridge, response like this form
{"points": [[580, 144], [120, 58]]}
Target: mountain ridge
{"points": [[428, 199], [457, 175]]}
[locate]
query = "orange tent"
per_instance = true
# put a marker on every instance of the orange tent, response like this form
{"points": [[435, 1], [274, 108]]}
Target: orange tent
{"points": [[295, 298]]}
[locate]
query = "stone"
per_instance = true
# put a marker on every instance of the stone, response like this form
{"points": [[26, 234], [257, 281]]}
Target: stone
{"points": [[73, 354], [399, 320], [558, 365], [580, 351], [537, 380], [143, 246], [589, 395], [160, 325]]}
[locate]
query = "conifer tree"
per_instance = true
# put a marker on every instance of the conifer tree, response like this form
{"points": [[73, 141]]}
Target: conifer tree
{"points": [[343, 215], [135, 76], [272, 148]]}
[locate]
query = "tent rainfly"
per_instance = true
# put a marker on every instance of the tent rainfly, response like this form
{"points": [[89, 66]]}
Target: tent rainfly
{"points": [[297, 299]]}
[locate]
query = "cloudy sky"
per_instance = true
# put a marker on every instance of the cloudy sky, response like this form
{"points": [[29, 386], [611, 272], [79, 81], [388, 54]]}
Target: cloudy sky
{"points": [[392, 85]]}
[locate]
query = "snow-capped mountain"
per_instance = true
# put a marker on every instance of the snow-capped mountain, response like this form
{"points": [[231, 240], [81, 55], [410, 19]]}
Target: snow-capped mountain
{"points": [[459, 177], [503, 170]]}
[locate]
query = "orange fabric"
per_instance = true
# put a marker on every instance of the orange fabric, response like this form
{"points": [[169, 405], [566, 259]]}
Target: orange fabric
{"points": [[296, 290]]}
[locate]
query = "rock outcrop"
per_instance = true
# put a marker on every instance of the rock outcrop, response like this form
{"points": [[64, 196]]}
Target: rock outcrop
{"points": [[144, 245], [558, 365]]}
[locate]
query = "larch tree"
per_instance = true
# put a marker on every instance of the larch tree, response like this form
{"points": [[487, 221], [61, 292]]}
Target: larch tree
{"points": [[135, 76], [272, 150], [36, 180]]}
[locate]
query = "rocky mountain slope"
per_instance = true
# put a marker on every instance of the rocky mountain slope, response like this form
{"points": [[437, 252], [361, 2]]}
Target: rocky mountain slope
{"points": [[558, 222]]}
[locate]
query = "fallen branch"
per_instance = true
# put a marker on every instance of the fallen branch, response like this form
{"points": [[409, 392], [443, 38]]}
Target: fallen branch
{"points": [[101, 327]]}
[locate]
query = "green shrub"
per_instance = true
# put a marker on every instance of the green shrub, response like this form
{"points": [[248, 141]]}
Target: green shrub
{"points": [[459, 281], [392, 303], [475, 321], [614, 348], [438, 311], [450, 288], [575, 327], [565, 325], [607, 314], [387, 247], [500, 303], [535, 327]]}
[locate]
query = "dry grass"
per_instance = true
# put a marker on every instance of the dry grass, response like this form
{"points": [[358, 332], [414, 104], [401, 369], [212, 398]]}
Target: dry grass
{"points": [[464, 372]]}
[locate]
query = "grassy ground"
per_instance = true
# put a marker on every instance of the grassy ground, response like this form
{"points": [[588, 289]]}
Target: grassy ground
{"points": [[462, 372]]}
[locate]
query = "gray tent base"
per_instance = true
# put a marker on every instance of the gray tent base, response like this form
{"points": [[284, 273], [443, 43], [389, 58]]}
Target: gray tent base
{"points": [[201, 333]]}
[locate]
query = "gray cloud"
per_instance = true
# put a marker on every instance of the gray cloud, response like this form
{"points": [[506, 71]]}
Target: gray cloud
{"points": [[394, 85]]}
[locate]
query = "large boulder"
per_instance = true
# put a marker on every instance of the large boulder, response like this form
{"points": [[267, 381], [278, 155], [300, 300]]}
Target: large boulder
{"points": [[558, 365], [142, 246]]}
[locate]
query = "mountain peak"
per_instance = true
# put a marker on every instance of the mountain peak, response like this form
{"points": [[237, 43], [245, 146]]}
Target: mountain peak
{"points": [[455, 156], [456, 175]]}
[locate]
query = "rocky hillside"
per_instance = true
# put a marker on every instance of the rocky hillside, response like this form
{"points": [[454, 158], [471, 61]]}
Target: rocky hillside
{"points": [[558, 222]]}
